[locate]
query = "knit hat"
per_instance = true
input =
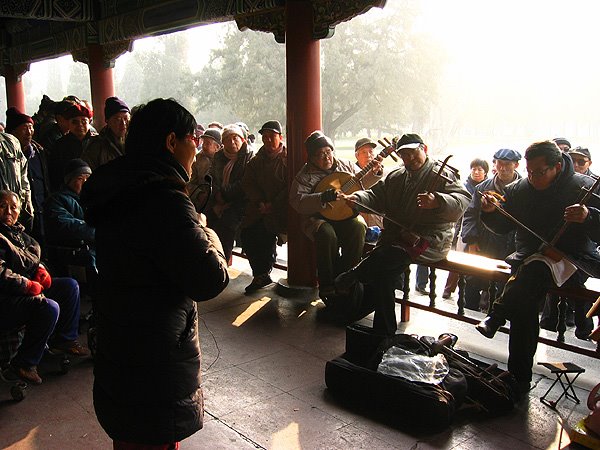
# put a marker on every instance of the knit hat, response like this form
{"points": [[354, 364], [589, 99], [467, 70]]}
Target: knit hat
{"points": [[214, 134], [14, 118], [47, 104], [76, 167], [77, 110], [506, 154], [271, 125], [362, 142], [317, 140], [233, 129], [114, 105], [409, 140], [561, 141]]}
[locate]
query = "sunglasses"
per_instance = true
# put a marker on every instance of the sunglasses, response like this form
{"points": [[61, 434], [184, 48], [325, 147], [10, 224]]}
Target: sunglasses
{"points": [[580, 162]]}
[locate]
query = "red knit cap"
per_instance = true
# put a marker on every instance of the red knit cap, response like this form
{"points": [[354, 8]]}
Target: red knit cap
{"points": [[77, 110], [14, 118]]}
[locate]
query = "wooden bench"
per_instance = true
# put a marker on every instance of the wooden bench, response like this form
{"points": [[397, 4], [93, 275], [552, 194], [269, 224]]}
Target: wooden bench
{"points": [[495, 271]]}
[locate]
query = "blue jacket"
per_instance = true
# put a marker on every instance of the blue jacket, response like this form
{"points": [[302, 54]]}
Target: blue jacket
{"points": [[493, 245], [63, 220]]}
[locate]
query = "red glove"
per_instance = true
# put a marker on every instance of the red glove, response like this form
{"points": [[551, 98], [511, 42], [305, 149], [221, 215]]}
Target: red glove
{"points": [[33, 288], [43, 277]]}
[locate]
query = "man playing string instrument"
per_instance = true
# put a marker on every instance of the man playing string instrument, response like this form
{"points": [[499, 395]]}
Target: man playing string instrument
{"points": [[544, 202], [329, 235], [421, 206]]}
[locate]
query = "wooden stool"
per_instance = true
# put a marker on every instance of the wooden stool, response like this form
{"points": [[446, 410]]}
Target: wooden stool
{"points": [[560, 370]]}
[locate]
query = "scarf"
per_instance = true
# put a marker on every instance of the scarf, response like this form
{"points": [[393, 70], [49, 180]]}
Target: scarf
{"points": [[232, 157]]}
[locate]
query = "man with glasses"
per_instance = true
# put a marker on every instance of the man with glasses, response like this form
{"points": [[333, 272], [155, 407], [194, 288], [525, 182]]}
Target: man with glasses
{"points": [[330, 236], [543, 201]]}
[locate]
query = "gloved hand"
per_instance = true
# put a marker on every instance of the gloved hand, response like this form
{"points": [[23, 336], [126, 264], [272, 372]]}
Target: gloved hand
{"points": [[33, 288], [43, 277], [328, 196]]}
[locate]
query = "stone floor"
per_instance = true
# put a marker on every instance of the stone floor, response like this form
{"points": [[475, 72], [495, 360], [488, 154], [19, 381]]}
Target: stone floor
{"points": [[263, 375]]}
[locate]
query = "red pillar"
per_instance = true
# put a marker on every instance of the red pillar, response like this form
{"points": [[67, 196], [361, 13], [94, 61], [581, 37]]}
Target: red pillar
{"points": [[15, 93], [101, 82], [303, 72]]}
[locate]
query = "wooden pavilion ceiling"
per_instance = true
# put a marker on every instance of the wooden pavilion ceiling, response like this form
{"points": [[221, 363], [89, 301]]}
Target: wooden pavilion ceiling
{"points": [[33, 30]]}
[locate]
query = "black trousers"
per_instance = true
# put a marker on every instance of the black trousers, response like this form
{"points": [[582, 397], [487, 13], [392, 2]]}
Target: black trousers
{"points": [[260, 246], [381, 270], [520, 302]]}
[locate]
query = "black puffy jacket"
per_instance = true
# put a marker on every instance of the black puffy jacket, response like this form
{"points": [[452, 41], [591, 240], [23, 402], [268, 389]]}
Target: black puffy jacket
{"points": [[542, 211], [155, 262]]}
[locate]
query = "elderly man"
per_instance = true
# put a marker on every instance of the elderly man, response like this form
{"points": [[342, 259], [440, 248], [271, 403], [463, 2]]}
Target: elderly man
{"points": [[226, 208], [582, 160], [266, 188], [547, 198], [364, 151], [110, 142], [199, 186], [420, 210], [20, 125], [478, 238], [330, 236]]}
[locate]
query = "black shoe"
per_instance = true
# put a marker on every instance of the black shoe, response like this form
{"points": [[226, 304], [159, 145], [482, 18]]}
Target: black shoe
{"points": [[343, 282], [259, 282], [421, 290], [583, 335], [489, 326]]}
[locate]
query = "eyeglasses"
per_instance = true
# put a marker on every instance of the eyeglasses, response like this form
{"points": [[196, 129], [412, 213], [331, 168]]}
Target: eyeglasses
{"points": [[580, 162], [194, 138], [538, 173]]}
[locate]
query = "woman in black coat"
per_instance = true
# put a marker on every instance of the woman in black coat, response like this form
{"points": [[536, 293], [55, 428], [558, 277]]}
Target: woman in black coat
{"points": [[155, 261]]}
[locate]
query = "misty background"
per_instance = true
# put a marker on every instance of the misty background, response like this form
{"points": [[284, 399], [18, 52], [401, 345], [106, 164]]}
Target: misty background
{"points": [[470, 77]]}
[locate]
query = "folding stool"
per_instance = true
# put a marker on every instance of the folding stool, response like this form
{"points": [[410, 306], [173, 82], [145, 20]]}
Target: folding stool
{"points": [[562, 371]]}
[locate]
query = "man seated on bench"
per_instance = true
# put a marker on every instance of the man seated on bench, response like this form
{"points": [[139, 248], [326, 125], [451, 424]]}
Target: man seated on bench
{"points": [[543, 202], [414, 197], [71, 241]]}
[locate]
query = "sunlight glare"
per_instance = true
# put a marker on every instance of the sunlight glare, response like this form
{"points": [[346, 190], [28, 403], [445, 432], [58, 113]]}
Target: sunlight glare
{"points": [[252, 309]]}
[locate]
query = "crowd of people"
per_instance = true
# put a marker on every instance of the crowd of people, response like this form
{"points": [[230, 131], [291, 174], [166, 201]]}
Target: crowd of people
{"points": [[68, 191]]}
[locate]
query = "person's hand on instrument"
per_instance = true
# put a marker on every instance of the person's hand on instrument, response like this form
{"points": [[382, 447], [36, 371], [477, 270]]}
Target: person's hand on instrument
{"points": [[576, 213], [377, 169], [350, 199], [330, 195], [427, 200], [487, 204]]}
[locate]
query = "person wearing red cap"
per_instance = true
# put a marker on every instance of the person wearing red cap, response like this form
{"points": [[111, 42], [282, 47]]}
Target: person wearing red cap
{"points": [[110, 142], [13, 166], [71, 145], [21, 125]]}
